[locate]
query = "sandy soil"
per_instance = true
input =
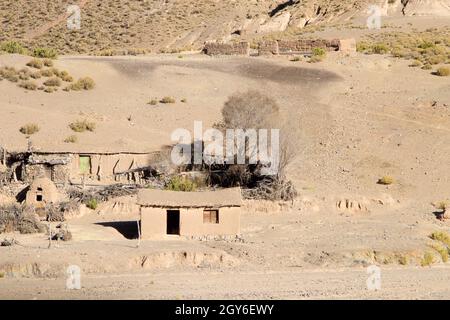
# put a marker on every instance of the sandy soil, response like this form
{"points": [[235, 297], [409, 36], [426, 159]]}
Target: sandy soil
{"points": [[361, 117]]}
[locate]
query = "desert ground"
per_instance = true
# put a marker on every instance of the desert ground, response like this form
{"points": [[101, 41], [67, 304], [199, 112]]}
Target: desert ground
{"points": [[361, 117]]}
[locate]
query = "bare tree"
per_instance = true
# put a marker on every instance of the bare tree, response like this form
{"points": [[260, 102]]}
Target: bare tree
{"points": [[254, 110]]}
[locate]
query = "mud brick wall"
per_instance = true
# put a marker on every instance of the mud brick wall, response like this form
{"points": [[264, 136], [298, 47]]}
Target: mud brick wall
{"points": [[220, 48], [289, 46], [267, 48]]}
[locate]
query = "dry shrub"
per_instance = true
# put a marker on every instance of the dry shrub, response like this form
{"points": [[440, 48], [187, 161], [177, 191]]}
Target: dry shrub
{"points": [[47, 72], [53, 82], [45, 53], [443, 72], [36, 63], [29, 129], [82, 84], [168, 100], [9, 73], [71, 139], [29, 85], [386, 180], [17, 218], [82, 126], [47, 62]]}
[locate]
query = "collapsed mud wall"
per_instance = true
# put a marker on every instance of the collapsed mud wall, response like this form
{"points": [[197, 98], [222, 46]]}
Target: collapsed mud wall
{"points": [[232, 48], [276, 47]]}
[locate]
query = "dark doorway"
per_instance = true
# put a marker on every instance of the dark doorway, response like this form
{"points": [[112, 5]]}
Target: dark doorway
{"points": [[173, 222]]}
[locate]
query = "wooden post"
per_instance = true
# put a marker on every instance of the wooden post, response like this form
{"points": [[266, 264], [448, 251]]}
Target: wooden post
{"points": [[139, 233], [49, 234]]}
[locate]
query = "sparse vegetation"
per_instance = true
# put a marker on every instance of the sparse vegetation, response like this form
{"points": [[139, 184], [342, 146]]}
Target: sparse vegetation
{"points": [[9, 73], [442, 250], [71, 139], [153, 102], [168, 100], [442, 237], [82, 84], [47, 62], [92, 204], [29, 85], [427, 259], [443, 72], [179, 183], [318, 54], [82, 126], [29, 129], [35, 63], [12, 47], [426, 48], [45, 53], [53, 82], [386, 180], [17, 218]]}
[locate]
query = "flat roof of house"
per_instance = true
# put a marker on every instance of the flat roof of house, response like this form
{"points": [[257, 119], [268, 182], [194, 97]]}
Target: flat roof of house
{"points": [[176, 199]]}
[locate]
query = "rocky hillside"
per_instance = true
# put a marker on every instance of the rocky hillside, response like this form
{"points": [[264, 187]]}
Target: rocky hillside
{"points": [[159, 25]]}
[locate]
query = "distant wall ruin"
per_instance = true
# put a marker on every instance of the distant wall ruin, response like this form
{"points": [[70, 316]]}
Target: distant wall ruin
{"points": [[280, 47], [232, 48]]}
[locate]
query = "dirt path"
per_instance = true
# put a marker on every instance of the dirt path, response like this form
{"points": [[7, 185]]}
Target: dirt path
{"points": [[397, 283]]}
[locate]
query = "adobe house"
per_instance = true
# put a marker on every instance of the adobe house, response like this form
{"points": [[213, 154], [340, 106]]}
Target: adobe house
{"points": [[80, 168], [42, 192], [171, 213]]}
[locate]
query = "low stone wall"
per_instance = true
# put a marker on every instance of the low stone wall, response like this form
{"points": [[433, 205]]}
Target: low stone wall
{"points": [[277, 47], [267, 48], [232, 48]]}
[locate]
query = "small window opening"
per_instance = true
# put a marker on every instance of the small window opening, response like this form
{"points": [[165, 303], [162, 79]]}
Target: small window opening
{"points": [[210, 216]]}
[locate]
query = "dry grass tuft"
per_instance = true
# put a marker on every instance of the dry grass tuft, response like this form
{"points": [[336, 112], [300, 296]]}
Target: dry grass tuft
{"points": [[82, 126], [29, 129]]}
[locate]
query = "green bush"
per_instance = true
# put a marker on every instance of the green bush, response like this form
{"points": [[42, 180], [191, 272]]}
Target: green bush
{"points": [[12, 47], [92, 204], [181, 184], [45, 53], [318, 52]]}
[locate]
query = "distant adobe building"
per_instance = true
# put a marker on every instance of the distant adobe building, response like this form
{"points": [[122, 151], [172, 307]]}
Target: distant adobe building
{"points": [[189, 214]]}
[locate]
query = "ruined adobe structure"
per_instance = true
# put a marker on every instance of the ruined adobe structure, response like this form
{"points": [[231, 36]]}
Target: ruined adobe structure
{"points": [[281, 47], [86, 168], [232, 48]]}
